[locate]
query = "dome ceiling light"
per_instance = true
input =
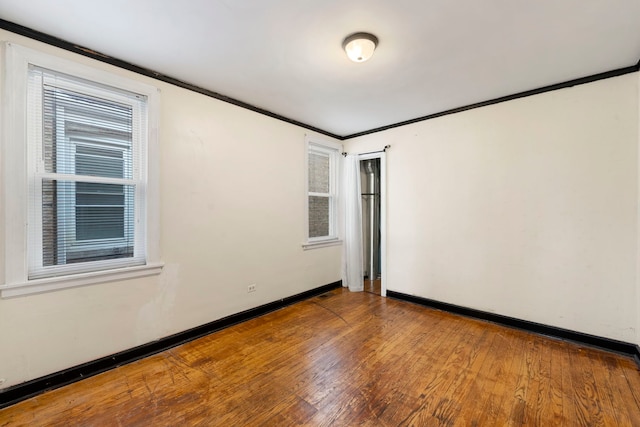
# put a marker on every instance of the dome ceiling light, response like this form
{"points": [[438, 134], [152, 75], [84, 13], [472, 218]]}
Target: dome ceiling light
{"points": [[360, 46]]}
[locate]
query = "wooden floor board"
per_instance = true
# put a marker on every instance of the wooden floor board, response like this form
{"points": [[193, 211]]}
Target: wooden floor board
{"points": [[622, 397], [507, 362], [608, 393], [347, 359], [490, 384], [550, 403]]}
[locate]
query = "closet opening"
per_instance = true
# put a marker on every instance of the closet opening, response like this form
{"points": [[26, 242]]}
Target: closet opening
{"points": [[371, 193]]}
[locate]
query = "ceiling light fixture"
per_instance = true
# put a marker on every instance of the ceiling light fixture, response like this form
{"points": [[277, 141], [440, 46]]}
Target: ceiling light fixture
{"points": [[360, 46]]}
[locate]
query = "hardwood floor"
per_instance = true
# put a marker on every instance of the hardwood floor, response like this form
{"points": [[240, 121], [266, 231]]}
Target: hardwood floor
{"points": [[373, 286], [345, 359]]}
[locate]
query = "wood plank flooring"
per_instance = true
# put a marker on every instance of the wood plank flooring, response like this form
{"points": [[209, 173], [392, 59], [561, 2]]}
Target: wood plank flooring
{"points": [[373, 286], [347, 359]]}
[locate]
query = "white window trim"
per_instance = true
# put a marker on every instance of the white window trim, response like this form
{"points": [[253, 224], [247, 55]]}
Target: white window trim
{"points": [[15, 181], [334, 150], [38, 286], [321, 244]]}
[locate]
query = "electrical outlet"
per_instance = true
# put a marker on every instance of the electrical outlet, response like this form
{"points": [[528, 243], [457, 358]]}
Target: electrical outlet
{"points": [[251, 288]]}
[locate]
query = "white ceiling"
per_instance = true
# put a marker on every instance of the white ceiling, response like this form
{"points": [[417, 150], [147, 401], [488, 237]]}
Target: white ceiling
{"points": [[285, 56]]}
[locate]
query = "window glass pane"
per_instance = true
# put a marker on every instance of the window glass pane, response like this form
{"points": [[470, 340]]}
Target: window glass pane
{"points": [[98, 222], [86, 221], [86, 135], [319, 173], [88, 199], [99, 166], [96, 161], [89, 193], [99, 211], [94, 187], [87, 111], [318, 216]]}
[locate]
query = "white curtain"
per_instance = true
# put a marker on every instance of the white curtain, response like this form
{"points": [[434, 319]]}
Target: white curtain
{"points": [[351, 220]]}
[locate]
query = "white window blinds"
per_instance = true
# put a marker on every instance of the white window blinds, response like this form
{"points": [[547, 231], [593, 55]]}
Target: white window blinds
{"points": [[87, 177], [322, 160], [319, 194]]}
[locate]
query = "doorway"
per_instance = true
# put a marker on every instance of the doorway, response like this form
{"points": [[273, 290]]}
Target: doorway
{"points": [[372, 193]]}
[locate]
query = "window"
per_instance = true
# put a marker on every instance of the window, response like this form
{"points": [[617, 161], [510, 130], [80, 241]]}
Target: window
{"points": [[322, 201], [86, 180], [81, 148]]}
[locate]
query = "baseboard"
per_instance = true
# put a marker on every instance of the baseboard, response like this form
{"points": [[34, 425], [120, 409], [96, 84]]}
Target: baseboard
{"points": [[19, 392], [621, 347]]}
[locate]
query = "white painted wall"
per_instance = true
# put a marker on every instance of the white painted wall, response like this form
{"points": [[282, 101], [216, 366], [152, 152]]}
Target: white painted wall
{"points": [[527, 208], [233, 204]]}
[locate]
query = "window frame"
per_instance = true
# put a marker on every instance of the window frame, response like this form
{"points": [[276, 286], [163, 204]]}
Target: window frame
{"points": [[16, 182], [67, 162], [333, 151]]}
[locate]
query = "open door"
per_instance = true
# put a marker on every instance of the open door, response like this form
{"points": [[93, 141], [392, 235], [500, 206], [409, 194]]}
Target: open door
{"points": [[373, 194]]}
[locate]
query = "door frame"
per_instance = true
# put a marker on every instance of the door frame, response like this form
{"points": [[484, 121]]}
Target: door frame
{"points": [[383, 214]]}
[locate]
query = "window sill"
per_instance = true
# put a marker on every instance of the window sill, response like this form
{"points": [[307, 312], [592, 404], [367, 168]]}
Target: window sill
{"points": [[321, 244], [64, 282]]}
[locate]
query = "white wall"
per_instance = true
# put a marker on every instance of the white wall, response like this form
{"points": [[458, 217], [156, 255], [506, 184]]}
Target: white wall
{"points": [[232, 214], [528, 208]]}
